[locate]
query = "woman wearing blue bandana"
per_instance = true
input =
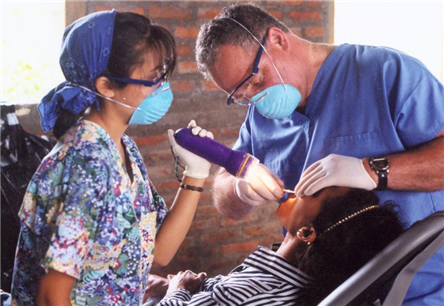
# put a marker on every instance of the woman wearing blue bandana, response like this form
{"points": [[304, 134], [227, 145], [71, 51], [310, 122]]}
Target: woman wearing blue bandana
{"points": [[92, 221]]}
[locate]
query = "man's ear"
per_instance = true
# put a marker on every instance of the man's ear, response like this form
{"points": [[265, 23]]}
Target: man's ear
{"points": [[307, 234], [279, 38], [104, 87]]}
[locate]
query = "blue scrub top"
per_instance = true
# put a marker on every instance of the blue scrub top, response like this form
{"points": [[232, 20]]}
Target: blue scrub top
{"points": [[365, 102]]}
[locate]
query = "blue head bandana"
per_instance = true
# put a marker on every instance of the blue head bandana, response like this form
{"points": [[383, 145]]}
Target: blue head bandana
{"points": [[84, 57]]}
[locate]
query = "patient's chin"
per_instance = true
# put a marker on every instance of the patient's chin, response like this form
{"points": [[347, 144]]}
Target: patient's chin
{"points": [[284, 211]]}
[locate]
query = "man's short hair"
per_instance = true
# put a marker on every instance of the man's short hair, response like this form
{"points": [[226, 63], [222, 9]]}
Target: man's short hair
{"points": [[223, 31]]}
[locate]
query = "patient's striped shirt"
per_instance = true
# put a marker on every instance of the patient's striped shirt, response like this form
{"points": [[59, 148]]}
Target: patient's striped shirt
{"points": [[264, 278]]}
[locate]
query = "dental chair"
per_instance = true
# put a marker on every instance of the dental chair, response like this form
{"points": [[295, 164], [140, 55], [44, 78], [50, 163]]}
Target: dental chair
{"points": [[384, 280]]}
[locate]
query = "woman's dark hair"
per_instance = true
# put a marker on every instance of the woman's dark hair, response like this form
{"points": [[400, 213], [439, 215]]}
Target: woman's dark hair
{"points": [[133, 36], [336, 254]]}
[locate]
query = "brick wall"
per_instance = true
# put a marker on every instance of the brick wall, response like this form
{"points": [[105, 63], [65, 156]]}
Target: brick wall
{"points": [[214, 244]]}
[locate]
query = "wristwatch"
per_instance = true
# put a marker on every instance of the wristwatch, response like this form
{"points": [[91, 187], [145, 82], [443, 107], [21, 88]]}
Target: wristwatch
{"points": [[381, 166]]}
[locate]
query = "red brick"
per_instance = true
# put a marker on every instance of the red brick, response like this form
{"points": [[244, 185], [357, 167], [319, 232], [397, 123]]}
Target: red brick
{"points": [[293, 2], [187, 67], [239, 247], [317, 3], [137, 10], [219, 267], [186, 32], [206, 224], [261, 229], [205, 197], [306, 15], [184, 50], [169, 12], [182, 85], [231, 132], [99, 8], [150, 140], [168, 185], [217, 237], [206, 211], [276, 14], [209, 85], [296, 31], [206, 12], [225, 222], [165, 26], [314, 31]]}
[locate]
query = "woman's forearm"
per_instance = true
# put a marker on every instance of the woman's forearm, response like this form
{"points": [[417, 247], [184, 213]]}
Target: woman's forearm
{"points": [[177, 223]]}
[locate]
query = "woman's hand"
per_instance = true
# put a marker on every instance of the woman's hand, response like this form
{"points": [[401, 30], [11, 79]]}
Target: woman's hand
{"points": [[186, 280], [196, 166]]}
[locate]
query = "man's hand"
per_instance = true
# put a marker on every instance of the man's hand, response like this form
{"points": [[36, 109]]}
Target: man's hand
{"points": [[264, 186], [334, 170], [186, 280], [156, 286]]}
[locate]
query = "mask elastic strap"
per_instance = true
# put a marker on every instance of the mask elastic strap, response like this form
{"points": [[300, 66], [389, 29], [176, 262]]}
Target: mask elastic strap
{"points": [[106, 98], [265, 50]]}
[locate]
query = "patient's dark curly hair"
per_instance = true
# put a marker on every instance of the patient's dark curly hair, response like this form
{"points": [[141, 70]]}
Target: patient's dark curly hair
{"points": [[337, 254]]}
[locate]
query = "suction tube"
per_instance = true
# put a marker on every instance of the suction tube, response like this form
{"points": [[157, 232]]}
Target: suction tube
{"points": [[237, 163]]}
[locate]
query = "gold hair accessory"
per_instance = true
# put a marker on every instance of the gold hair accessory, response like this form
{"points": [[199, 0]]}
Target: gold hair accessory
{"points": [[348, 218]]}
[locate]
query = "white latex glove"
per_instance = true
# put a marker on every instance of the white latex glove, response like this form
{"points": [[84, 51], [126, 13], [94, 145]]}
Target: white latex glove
{"points": [[334, 170], [195, 166], [264, 186]]}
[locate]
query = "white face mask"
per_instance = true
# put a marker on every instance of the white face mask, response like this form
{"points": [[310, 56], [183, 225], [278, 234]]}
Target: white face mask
{"points": [[278, 101], [153, 107]]}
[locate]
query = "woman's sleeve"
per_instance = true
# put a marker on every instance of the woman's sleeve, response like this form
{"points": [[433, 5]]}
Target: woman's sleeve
{"points": [[82, 198]]}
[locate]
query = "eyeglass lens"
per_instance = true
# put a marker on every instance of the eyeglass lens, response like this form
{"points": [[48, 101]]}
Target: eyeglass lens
{"points": [[244, 100]]}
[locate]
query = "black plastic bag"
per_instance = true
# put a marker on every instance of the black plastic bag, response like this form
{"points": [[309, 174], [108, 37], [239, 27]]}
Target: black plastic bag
{"points": [[21, 154]]}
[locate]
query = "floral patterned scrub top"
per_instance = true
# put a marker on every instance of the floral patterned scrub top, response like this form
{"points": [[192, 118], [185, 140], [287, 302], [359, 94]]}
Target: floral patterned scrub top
{"points": [[83, 216]]}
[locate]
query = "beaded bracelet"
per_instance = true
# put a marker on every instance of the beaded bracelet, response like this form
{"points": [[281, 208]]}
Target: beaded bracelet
{"points": [[189, 187]]}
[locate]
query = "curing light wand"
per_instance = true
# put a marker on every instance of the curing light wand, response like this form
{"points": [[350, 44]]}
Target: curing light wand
{"points": [[239, 164]]}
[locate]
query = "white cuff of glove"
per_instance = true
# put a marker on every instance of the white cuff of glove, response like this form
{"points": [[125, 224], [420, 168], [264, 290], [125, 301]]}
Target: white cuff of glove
{"points": [[195, 166]]}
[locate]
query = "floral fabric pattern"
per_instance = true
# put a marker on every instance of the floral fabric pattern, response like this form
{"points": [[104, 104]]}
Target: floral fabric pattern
{"points": [[84, 217]]}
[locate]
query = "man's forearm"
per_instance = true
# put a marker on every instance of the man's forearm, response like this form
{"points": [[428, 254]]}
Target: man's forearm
{"points": [[225, 198], [420, 169]]}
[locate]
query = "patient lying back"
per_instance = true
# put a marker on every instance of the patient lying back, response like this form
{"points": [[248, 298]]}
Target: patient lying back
{"points": [[330, 235]]}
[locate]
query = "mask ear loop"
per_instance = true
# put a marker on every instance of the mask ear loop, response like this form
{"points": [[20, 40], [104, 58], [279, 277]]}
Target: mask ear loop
{"points": [[106, 98], [265, 50], [177, 164]]}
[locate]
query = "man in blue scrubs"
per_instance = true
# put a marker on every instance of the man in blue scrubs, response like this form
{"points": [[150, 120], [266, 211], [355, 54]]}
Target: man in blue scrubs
{"points": [[322, 115]]}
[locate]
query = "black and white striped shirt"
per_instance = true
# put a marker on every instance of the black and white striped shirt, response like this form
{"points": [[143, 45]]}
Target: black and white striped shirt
{"points": [[264, 278]]}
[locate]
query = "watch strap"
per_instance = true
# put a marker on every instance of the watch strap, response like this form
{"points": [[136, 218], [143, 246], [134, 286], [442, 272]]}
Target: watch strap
{"points": [[381, 171], [382, 179]]}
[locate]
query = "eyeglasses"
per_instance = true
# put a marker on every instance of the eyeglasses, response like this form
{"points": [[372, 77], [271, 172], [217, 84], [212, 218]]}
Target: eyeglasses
{"points": [[244, 100], [161, 79]]}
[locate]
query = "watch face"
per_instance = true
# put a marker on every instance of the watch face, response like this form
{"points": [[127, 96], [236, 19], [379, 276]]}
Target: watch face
{"points": [[379, 163]]}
